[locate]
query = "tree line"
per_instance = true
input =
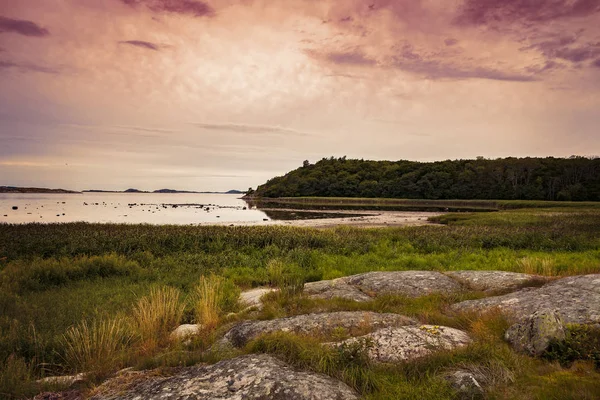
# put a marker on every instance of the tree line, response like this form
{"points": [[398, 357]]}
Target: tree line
{"points": [[567, 179]]}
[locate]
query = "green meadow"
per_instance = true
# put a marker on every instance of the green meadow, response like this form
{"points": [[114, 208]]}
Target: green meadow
{"points": [[120, 289]]}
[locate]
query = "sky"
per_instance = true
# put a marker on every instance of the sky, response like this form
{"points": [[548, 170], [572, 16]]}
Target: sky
{"points": [[225, 94]]}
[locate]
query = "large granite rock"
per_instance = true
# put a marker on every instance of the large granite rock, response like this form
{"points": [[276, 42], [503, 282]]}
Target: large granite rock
{"points": [[335, 288], [323, 323], [575, 298], [534, 334], [249, 377], [252, 298], [493, 281], [364, 287], [396, 344]]}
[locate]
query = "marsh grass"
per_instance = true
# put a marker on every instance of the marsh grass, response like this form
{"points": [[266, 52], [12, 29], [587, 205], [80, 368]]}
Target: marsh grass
{"points": [[156, 315], [99, 346], [212, 297]]}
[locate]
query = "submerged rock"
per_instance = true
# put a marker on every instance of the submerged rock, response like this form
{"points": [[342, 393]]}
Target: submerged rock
{"points": [[325, 323], [494, 280], [534, 334], [575, 298], [396, 344], [252, 377]]}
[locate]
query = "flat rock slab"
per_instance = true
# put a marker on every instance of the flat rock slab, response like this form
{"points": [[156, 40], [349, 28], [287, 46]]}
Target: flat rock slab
{"points": [[493, 280], [575, 298], [323, 323], [252, 377], [364, 287], [396, 344], [251, 298]]}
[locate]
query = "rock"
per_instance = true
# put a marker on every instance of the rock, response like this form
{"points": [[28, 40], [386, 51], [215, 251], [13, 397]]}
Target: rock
{"points": [[336, 288], [251, 298], [65, 380], [534, 334], [247, 377], [363, 287], [494, 280], [576, 298], [324, 323], [15, 207], [396, 344], [466, 384], [184, 332]]}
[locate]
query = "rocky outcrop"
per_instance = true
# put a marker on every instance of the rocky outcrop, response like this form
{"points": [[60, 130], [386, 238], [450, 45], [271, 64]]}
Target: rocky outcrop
{"points": [[335, 288], [364, 287], [534, 334], [325, 323], [493, 281], [468, 385], [395, 344], [575, 298], [252, 298], [247, 377]]}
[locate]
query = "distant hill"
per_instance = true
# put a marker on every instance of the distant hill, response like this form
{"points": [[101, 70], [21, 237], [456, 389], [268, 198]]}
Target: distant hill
{"points": [[574, 178], [234, 192], [14, 189], [160, 191]]}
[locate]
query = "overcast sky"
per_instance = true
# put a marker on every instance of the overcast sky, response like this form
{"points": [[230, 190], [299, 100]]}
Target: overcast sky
{"points": [[224, 94]]}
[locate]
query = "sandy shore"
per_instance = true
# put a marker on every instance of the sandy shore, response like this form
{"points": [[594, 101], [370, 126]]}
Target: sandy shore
{"points": [[364, 219]]}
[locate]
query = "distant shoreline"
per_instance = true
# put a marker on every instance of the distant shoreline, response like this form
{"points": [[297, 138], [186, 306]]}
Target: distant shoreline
{"points": [[34, 190]]}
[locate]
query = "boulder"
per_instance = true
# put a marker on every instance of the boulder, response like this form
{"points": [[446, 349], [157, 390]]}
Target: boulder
{"points": [[184, 332], [396, 344], [64, 380], [576, 298], [246, 377], [492, 281], [335, 288], [534, 334], [468, 385], [324, 323], [251, 298], [364, 287]]}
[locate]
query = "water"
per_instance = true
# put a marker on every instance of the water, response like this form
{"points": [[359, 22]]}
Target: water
{"points": [[151, 208]]}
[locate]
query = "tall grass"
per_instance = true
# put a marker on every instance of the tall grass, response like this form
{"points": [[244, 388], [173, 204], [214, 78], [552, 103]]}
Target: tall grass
{"points": [[97, 346], [156, 315], [213, 296]]}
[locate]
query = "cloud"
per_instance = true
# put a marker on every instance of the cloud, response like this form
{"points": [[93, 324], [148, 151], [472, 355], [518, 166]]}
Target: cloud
{"points": [[482, 12], [194, 8], [141, 43], [562, 48], [22, 27], [429, 66], [450, 42], [596, 63], [250, 129], [27, 67]]}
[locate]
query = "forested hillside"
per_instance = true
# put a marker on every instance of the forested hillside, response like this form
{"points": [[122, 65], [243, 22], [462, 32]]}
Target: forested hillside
{"points": [[574, 178]]}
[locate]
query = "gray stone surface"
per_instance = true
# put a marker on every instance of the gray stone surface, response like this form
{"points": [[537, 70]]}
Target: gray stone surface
{"points": [[252, 298], [467, 384], [396, 344], [405, 283], [335, 288], [184, 332], [252, 377], [493, 280], [534, 334], [364, 287], [576, 298], [323, 323]]}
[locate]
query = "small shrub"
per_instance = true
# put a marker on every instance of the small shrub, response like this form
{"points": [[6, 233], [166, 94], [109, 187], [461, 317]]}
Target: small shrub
{"points": [[98, 346], [212, 297], [582, 342], [156, 315], [15, 378]]}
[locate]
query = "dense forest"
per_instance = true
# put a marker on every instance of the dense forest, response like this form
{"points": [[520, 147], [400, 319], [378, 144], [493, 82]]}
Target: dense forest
{"points": [[574, 178]]}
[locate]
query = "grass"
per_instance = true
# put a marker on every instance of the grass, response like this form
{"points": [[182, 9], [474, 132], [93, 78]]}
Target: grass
{"points": [[160, 276]]}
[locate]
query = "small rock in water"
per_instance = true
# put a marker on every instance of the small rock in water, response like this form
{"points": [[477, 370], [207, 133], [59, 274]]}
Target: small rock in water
{"points": [[15, 208]]}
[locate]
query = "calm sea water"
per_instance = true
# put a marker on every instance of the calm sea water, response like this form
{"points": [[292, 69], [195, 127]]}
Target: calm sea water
{"points": [[151, 208]]}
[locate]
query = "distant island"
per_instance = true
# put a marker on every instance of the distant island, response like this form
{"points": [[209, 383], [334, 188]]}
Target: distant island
{"points": [[15, 189], [131, 190]]}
